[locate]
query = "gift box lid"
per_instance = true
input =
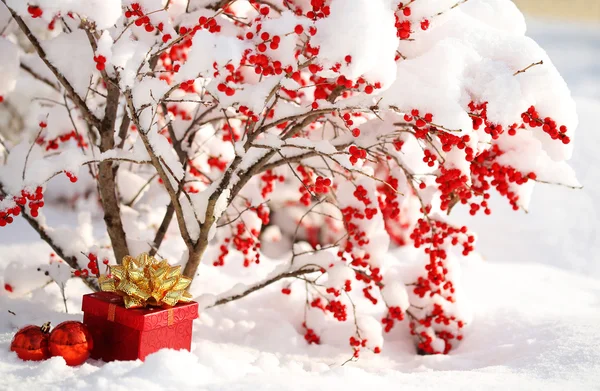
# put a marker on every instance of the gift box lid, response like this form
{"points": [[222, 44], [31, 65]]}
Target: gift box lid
{"points": [[110, 306]]}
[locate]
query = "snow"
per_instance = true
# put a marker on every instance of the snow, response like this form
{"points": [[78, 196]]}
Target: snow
{"points": [[395, 294], [535, 294], [80, 57], [200, 63], [9, 66], [103, 12], [462, 57], [565, 222], [548, 341], [369, 38], [37, 171]]}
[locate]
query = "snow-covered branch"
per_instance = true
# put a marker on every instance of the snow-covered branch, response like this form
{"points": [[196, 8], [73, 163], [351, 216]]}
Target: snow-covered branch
{"points": [[264, 127]]}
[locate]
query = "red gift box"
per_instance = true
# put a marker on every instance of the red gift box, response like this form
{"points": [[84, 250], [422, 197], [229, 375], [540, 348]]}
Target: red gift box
{"points": [[130, 334]]}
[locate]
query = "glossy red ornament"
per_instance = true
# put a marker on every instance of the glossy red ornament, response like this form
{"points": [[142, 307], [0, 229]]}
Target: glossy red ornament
{"points": [[31, 343], [72, 341]]}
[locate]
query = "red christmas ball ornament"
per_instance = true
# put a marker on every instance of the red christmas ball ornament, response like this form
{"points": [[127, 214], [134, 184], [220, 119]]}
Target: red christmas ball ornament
{"points": [[31, 343], [72, 341]]}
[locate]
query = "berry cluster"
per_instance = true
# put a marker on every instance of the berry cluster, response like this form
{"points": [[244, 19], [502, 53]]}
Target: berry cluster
{"points": [[305, 187], [319, 10], [286, 291], [337, 309], [5, 215], [267, 181], [452, 184], [54, 144], [322, 185], [35, 11], [357, 343], [176, 111], [449, 141], [310, 336], [356, 153], [487, 173], [356, 237], [135, 10], [368, 295], [404, 26], [244, 240], [532, 118], [100, 61], [34, 200], [394, 314], [347, 117], [72, 177], [215, 162], [252, 117], [93, 268], [435, 235], [430, 326], [144, 20], [387, 196], [230, 133]]}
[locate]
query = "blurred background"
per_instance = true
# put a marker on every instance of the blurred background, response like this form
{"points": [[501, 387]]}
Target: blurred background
{"points": [[562, 226], [587, 10]]}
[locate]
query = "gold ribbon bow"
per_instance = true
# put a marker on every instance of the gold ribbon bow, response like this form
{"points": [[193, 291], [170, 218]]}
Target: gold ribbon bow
{"points": [[145, 281]]}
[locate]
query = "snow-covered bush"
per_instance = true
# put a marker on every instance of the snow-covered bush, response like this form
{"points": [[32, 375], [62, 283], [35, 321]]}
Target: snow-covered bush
{"points": [[358, 123]]}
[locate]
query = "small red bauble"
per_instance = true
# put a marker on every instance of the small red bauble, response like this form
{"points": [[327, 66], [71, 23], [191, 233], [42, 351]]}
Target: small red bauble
{"points": [[31, 343], [72, 341]]}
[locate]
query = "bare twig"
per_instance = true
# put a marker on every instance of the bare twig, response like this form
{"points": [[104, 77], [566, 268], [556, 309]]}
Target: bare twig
{"points": [[39, 77], [46, 237], [541, 62], [87, 113], [260, 285]]}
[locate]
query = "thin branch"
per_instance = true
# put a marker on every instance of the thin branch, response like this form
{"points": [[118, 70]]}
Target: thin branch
{"points": [[260, 285], [87, 113], [45, 236], [541, 62], [559, 184], [161, 172], [162, 229], [240, 213], [141, 190], [29, 151], [37, 76]]}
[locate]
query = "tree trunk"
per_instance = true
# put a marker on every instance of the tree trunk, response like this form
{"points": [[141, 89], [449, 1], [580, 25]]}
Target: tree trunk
{"points": [[191, 267], [112, 210], [107, 175]]}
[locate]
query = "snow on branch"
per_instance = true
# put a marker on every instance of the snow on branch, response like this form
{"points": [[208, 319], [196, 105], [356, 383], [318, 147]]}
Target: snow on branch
{"points": [[265, 128]]}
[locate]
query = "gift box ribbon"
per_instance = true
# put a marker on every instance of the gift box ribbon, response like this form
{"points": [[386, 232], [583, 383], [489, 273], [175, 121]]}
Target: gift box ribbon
{"points": [[112, 310], [144, 281]]}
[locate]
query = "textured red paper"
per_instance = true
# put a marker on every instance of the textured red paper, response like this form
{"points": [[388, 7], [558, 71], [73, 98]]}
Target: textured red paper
{"points": [[135, 333]]}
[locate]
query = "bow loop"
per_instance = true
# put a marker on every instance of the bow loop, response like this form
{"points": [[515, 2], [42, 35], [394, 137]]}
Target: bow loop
{"points": [[145, 281]]}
